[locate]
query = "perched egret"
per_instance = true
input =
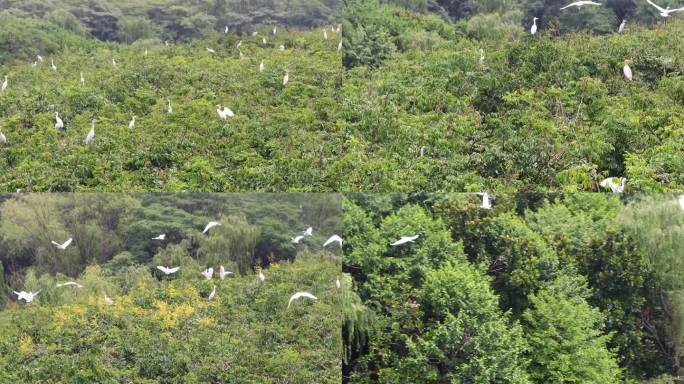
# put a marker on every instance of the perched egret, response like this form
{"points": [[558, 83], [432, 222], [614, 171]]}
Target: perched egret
{"points": [[113, 62], [3, 139], [325, 34], [579, 4], [339, 46], [308, 232], [160, 237], [405, 239], [146, 52], [274, 31], [665, 12], [486, 200], [337, 283], [263, 40], [255, 33], [621, 28], [91, 134], [167, 271], [208, 273], [62, 246], [54, 67], [297, 239], [225, 30], [211, 225], [261, 277], [240, 52], [40, 58], [223, 273], [59, 124], [210, 50], [107, 300], [77, 285], [627, 71], [333, 239], [4, 85], [482, 56], [681, 202], [616, 185], [239, 44], [213, 293], [286, 78], [35, 64], [131, 124], [282, 47], [26, 296], [168, 108], [166, 43], [299, 295], [82, 79], [533, 30], [224, 112], [261, 66]]}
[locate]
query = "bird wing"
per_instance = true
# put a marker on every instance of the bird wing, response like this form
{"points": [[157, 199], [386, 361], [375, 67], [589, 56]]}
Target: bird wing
{"points": [[332, 239], [656, 5], [676, 10], [55, 243], [174, 270], [66, 243]]}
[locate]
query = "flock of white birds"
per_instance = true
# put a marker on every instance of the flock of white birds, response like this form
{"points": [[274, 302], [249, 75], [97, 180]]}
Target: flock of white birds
{"points": [[222, 111], [208, 273]]}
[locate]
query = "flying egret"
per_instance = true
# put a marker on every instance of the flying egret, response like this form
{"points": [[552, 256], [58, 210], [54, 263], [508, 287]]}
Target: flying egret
{"points": [[261, 66], [299, 295], [681, 202], [59, 124], [224, 112], [308, 232], [297, 239], [107, 300], [160, 237], [579, 4], [616, 185], [3, 139], [333, 239], [208, 273], [167, 271], [286, 78], [77, 285], [91, 134], [82, 79], [213, 293], [4, 85], [621, 28], [665, 12], [486, 200], [131, 124], [20, 295], [169, 109], [337, 283], [211, 225], [223, 273], [627, 71], [405, 239], [533, 30], [210, 50], [54, 67], [62, 246], [26, 296]]}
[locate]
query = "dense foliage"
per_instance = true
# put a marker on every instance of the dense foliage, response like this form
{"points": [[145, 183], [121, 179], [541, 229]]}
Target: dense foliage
{"points": [[536, 113], [538, 289]]}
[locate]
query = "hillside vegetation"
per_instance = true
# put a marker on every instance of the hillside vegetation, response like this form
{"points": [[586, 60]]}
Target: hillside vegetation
{"points": [[282, 137], [575, 288], [537, 113]]}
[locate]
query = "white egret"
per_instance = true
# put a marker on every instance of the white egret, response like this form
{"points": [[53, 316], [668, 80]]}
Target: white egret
{"points": [[627, 71], [261, 66], [54, 67], [616, 185], [91, 134], [533, 30], [241, 55], [59, 124], [299, 295], [297, 239], [211, 225], [107, 300], [224, 112], [68, 283], [405, 239], [333, 239], [167, 271], [225, 30], [146, 52], [621, 28], [4, 85], [486, 200], [213, 293], [286, 78], [82, 79], [168, 108], [26, 296], [274, 31], [308, 232], [666, 11], [210, 50], [261, 277], [282, 47], [40, 58], [166, 43], [35, 64], [113, 62], [3, 139], [681, 202], [263, 40], [255, 33], [339, 46], [239, 44], [62, 246], [337, 283], [131, 124], [579, 4], [223, 273], [160, 237], [325, 34], [208, 273], [482, 56]]}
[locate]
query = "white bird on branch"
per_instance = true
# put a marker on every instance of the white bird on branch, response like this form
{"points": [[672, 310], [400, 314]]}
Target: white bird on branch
{"points": [[299, 295]]}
